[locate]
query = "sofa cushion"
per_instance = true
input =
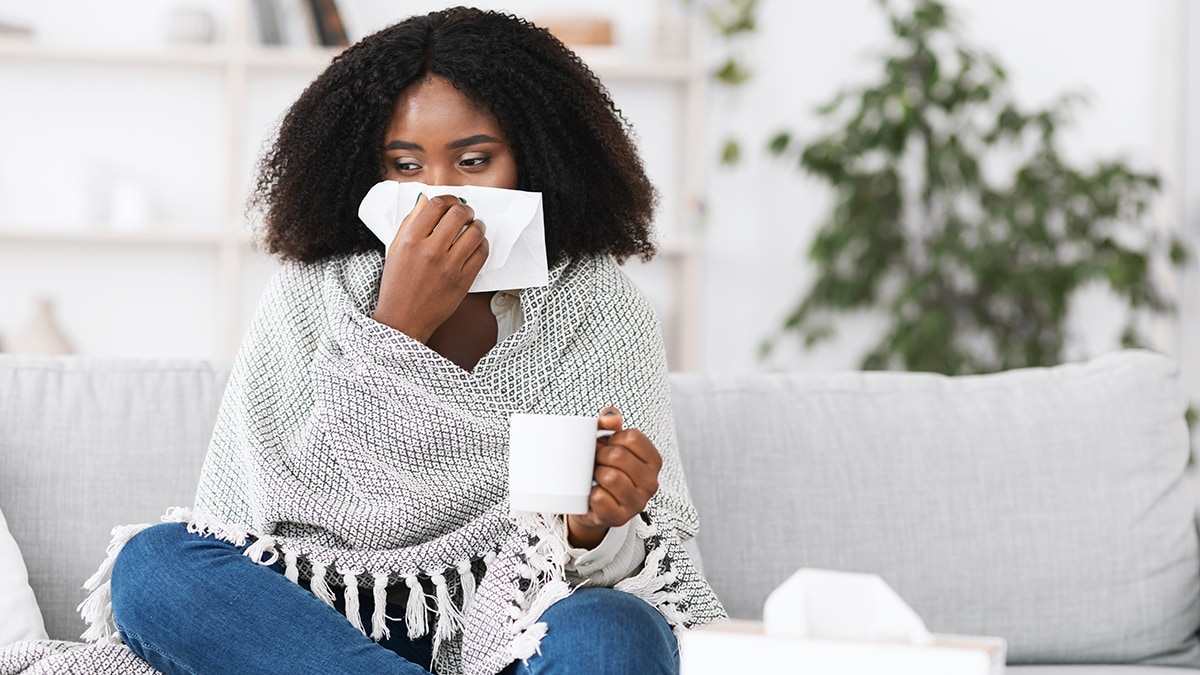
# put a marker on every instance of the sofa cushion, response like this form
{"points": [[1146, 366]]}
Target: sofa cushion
{"points": [[1097, 670], [87, 444], [1051, 507]]}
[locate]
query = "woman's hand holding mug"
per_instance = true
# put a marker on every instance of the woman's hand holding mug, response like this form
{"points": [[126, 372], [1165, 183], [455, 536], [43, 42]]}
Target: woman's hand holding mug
{"points": [[626, 477], [594, 471]]}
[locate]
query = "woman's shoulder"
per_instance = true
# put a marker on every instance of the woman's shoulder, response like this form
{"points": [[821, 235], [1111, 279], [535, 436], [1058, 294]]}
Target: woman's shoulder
{"points": [[357, 272], [353, 265], [601, 283]]}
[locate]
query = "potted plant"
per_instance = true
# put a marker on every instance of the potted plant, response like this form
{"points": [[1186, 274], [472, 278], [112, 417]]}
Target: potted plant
{"points": [[957, 214]]}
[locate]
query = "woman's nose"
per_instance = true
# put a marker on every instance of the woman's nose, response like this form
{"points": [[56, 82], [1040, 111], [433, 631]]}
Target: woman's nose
{"points": [[443, 175]]}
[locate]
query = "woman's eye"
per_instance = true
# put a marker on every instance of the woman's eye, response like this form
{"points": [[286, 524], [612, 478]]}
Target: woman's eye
{"points": [[405, 165], [474, 161]]}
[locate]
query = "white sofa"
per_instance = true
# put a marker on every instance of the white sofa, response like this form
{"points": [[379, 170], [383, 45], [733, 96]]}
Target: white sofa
{"points": [[1056, 508]]}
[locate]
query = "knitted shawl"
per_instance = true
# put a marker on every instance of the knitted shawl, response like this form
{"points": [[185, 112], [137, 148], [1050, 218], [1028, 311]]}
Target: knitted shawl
{"points": [[363, 459]]}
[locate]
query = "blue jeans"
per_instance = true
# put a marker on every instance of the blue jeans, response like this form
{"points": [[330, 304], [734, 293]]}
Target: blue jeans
{"points": [[196, 605]]}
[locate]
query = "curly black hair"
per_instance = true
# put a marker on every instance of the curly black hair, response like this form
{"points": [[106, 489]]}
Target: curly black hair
{"points": [[569, 140]]}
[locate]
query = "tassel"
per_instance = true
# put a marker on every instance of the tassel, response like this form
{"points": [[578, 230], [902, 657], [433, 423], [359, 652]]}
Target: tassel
{"points": [[96, 609], [528, 643], [291, 570], [121, 535], [466, 578], [265, 544], [318, 585], [546, 596], [177, 514], [450, 618], [648, 580], [414, 616], [350, 580], [234, 534], [644, 530], [97, 612], [379, 629]]}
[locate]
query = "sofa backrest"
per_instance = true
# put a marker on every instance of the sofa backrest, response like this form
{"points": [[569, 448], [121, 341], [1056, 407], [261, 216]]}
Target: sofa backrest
{"points": [[87, 444], [1052, 507]]}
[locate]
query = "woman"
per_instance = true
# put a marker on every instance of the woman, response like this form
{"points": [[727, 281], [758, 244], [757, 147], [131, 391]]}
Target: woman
{"points": [[351, 514]]}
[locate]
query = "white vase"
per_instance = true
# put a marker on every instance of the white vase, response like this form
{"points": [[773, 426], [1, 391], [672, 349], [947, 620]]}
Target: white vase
{"points": [[41, 333]]}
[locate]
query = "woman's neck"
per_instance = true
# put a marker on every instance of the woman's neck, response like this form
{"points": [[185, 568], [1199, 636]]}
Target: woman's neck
{"points": [[468, 334]]}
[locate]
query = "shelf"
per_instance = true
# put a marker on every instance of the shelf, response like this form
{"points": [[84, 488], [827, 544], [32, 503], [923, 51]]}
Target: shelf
{"points": [[610, 62], [18, 235], [34, 52], [606, 62]]}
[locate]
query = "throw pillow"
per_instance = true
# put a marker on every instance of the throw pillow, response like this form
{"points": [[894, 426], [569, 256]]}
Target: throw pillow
{"points": [[22, 620]]}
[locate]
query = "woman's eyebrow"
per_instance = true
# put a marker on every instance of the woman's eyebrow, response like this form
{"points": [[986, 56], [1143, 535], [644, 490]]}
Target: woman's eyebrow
{"points": [[472, 140], [402, 145]]}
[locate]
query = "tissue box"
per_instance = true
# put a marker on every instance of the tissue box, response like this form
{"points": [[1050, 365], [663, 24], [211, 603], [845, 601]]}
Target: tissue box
{"points": [[743, 647]]}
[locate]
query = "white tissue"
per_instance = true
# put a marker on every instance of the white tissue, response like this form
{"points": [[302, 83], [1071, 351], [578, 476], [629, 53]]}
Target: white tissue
{"points": [[841, 605], [515, 228]]}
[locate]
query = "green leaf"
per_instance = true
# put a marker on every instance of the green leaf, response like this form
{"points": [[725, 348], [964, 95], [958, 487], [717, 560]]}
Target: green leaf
{"points": [[731, 152], [831, 107], [779, 143], [765, 348], [731, 72], [731, 17], [1130, 339], [1178, 253]]}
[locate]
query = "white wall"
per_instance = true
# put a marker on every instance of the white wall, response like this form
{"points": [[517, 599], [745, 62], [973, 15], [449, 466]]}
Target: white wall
{"points": [[763, 212]]}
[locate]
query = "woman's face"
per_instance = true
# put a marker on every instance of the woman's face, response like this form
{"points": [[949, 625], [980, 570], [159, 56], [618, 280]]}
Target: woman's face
{"points": [[438, 137]]}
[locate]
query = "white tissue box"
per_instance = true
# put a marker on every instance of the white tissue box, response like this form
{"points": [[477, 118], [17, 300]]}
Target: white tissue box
{"points": [[743, 647]]}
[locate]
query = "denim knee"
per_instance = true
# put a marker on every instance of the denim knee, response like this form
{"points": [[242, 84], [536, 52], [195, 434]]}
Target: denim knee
{"points": [[601, 630], [150, 560]]}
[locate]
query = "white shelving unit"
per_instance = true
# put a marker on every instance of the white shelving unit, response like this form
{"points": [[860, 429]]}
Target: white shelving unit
{"points": [[235, 272]]}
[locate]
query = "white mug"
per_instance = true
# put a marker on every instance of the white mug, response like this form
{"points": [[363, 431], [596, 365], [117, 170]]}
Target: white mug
{"points": [[551, 459]]}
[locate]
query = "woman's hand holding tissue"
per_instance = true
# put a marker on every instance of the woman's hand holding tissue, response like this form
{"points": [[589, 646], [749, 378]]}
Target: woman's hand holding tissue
{"points": [[626, 477], [435, 256]]}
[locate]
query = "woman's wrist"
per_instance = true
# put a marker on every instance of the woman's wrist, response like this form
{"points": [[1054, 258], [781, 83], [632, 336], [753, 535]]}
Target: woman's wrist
{"points": [[584, 536], [388, 319]]}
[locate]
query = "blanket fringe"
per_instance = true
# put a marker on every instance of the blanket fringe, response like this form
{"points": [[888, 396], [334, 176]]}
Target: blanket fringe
{"points": [[319, 585], [291, 567], [353, 605], [263, 546], [414, 615], [466, 580], [96, 609], [525, 645], [656, 582], [542, 567], [379, 629], [449, 617], [233, 534]]}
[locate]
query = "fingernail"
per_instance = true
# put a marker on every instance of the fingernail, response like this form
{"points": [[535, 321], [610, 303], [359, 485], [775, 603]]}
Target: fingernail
{"points": [[462, 200], [610, 413]]}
